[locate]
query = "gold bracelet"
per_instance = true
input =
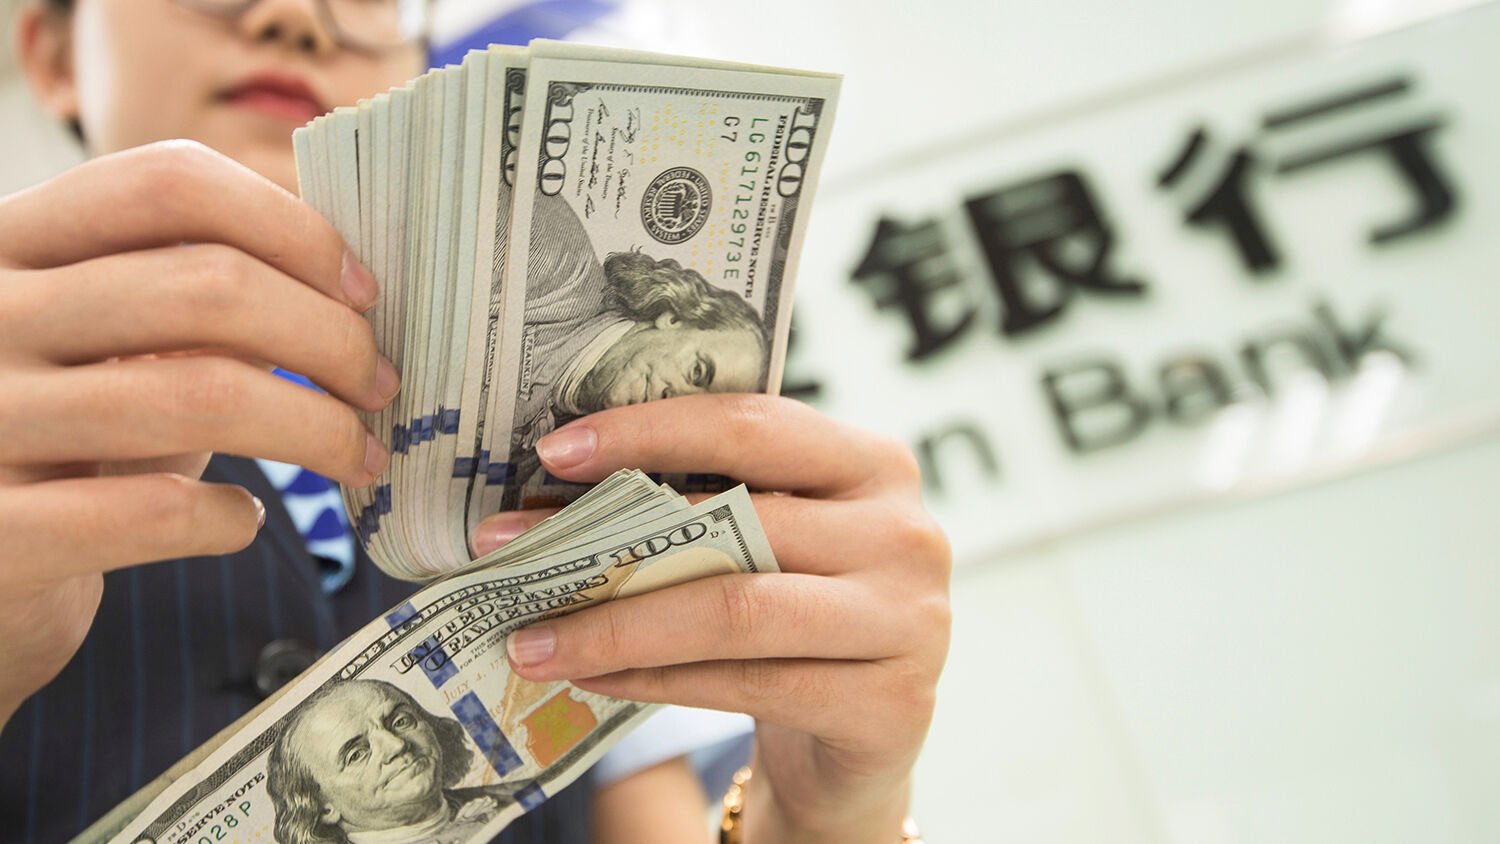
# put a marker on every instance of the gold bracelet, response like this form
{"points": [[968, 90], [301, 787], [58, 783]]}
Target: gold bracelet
{"points": [[734, 804]]}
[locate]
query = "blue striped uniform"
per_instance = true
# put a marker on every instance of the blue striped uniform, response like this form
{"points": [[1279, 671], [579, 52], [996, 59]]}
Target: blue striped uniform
{"points": [[172, 658]]}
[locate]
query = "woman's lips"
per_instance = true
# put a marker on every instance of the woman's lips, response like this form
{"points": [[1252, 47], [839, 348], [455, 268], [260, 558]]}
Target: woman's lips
{"points": [[282, 97]]}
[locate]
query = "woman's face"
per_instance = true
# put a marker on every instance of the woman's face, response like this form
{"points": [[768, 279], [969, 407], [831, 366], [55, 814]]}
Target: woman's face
{"points": [[150, 70]]}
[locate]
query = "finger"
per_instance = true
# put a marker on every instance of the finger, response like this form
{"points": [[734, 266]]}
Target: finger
{"points": [[497, 530], [796, 527], [825, 698], [63, 528], [170, 300], [212, 351], [152, 408], [766, 441], [177, 299], [802, 541], [725, 617], [177, 192], [836, 537], [890, 535]]}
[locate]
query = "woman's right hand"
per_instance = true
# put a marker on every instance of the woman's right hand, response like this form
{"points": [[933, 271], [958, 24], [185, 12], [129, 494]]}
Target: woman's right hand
{"points": [[143, 298]]}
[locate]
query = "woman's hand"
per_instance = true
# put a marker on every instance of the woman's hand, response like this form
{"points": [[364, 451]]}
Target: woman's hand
{"points": [[837, 656], [143, 297]]}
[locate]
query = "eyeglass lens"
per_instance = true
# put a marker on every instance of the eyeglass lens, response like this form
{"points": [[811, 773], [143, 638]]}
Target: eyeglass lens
{"points": [[357, 23]]}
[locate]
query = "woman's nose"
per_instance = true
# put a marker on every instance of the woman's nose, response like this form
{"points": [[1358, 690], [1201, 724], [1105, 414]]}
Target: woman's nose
{"points": [[297, 24]]}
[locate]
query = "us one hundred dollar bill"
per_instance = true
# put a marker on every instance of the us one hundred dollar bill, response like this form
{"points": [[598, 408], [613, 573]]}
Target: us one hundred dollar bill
{"points": [[556, 230], [415, 728], [660, 208]]}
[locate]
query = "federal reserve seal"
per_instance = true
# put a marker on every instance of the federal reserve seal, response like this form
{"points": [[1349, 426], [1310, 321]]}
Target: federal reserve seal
{"points": [[675, 205]]}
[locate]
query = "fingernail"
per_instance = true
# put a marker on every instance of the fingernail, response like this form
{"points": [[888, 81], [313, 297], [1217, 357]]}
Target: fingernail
{"points": [[375, 455], [260, 512], [359, 286], [387, 379], [568, 447], [495, 533], [531, 645]]}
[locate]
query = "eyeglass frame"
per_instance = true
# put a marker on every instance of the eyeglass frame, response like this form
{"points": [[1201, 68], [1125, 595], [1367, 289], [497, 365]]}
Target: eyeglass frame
{"points": [[235, 8]]}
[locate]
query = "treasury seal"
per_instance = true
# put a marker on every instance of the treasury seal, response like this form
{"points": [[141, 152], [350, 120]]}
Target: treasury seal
{"points": [[675, 205]]}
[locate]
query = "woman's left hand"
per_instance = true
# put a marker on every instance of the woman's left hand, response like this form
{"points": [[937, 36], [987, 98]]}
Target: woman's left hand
{"points": [[837, 657]]}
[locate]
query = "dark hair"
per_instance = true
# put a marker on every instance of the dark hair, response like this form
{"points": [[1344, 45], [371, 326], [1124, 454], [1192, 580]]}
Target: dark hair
{"points": [[641, 288], [295, 793]]}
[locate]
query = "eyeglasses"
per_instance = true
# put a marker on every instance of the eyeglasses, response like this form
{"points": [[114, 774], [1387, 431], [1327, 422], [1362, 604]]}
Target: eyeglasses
{"points": [[368, 25]]}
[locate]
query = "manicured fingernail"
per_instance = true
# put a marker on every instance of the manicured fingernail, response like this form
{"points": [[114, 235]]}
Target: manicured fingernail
{"points": [[495, 533], [387, 379], [260, 512], [568, 447], [531, 645], [375, 455], [359, 286]]}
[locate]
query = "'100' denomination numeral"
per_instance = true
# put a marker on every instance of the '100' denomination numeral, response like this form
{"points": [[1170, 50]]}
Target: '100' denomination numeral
{"points": [[647, 548], [799, 141], [558, 136]]}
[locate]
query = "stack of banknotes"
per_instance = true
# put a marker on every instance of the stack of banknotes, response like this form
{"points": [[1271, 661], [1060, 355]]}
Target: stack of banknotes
{"points": [[415, 726], [559, 229], [555, 230]]}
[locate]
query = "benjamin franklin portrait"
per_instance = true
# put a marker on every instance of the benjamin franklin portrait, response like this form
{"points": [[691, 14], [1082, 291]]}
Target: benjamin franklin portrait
{"points": [[361, 762], [627, 330]]}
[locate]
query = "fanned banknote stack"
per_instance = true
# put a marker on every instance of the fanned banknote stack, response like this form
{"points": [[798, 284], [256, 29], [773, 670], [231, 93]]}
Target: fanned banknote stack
{"points": [[417, 722], [556, 230]]}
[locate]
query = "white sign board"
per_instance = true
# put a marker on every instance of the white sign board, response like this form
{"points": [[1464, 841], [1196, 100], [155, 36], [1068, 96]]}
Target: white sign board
{"points": [[1243, 280]]}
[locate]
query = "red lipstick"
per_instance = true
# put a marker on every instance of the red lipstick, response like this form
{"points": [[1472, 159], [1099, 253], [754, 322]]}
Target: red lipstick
{"points": [[277, 95]]}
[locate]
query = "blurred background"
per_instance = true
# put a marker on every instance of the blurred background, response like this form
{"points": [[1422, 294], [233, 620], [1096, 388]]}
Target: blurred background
{"points": [[1190, 311]]}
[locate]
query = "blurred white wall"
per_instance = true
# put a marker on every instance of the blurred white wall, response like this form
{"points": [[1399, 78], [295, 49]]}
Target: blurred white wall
{"points": [[1322, 665], [31, 146]]}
